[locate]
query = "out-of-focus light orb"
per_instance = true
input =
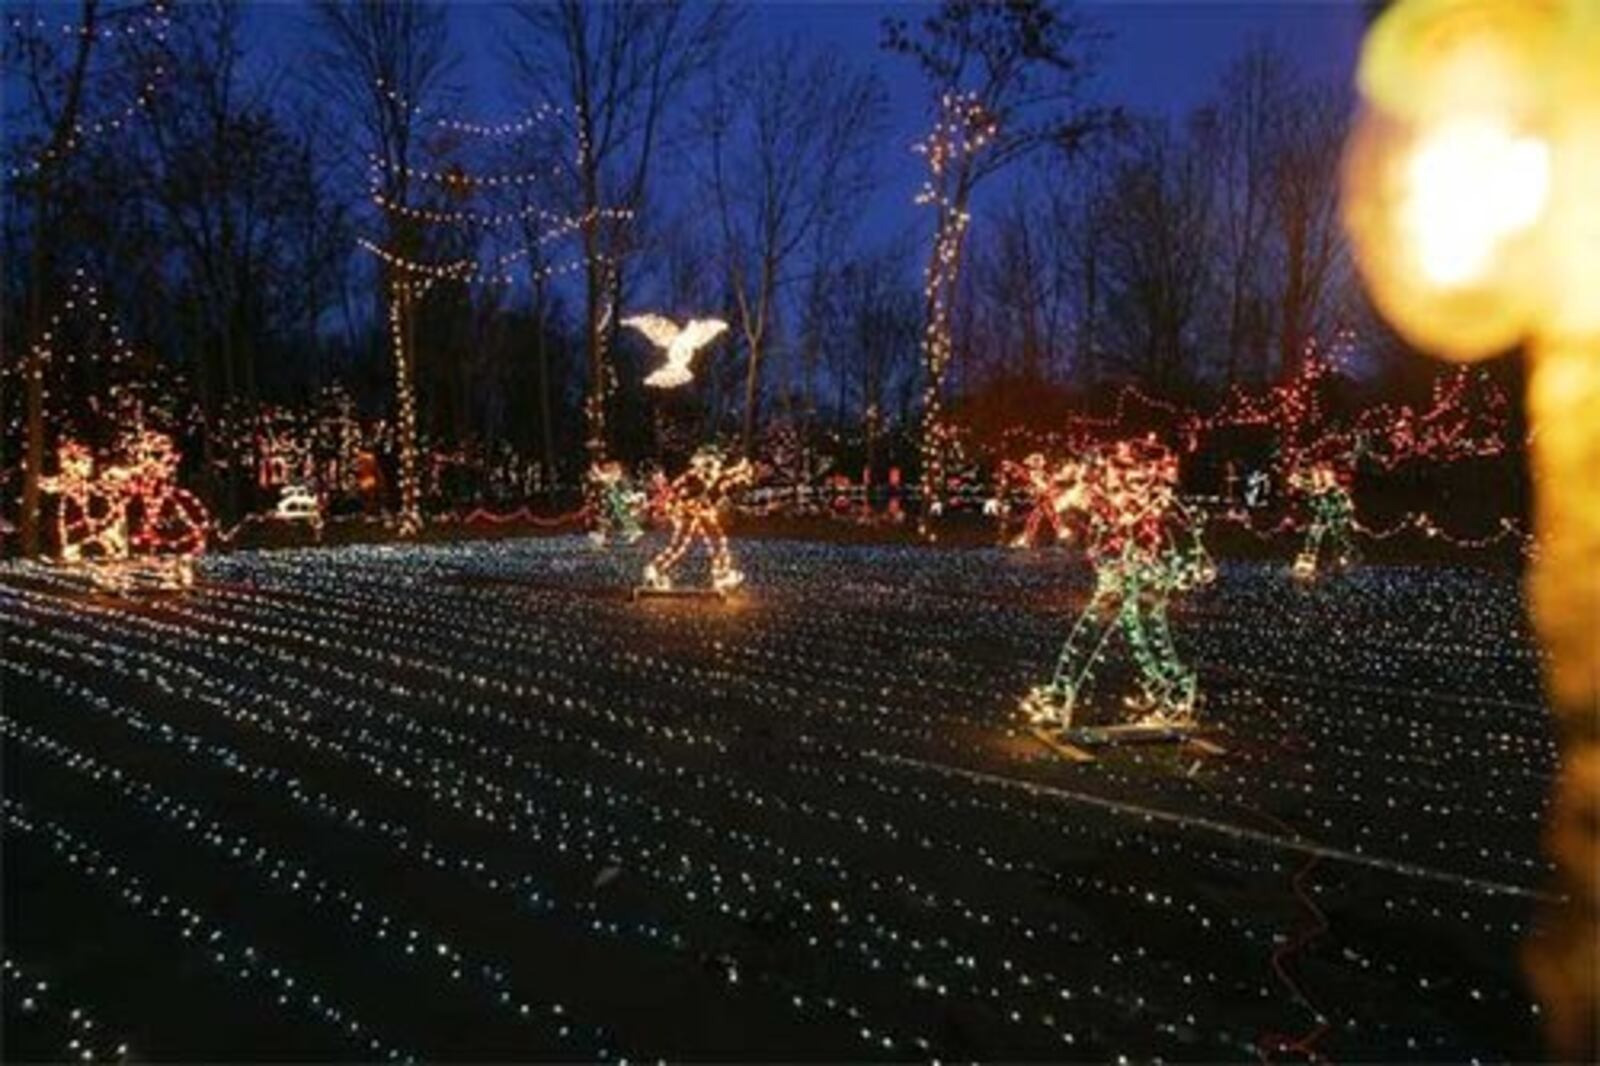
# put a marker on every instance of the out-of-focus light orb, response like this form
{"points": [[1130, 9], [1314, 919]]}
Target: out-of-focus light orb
{"points": [[1472, 197], [1471, 183], [1452, 179]]}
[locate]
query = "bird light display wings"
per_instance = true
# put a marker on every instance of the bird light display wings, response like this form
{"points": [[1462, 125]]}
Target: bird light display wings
{"points": [[680, 344]]}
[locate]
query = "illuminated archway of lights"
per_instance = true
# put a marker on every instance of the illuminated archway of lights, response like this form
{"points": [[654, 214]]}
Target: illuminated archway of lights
{"points": [[1145, 546], [692, 503], [327, 782]]}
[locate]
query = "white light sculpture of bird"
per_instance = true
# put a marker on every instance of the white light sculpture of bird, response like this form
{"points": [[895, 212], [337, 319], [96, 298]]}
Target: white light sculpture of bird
{"points": [[679, 344]]}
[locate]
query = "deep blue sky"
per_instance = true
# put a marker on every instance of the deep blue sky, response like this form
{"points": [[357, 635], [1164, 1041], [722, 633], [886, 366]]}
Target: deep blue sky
{"points": [[1162, 56]]}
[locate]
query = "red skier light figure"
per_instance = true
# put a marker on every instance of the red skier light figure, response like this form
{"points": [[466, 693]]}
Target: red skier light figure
{"points": [[91, 517], [1050, 492], [128, 519], [169, 524], [692, 503]]}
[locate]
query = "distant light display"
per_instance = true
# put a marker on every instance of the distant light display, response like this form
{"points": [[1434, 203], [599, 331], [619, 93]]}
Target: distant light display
{"points": [[1048, 489]]}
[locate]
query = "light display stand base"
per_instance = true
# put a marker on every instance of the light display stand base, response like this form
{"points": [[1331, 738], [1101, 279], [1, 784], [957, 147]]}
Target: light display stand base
{"points": [[1082, 743], [646, 592], [126, 576]]}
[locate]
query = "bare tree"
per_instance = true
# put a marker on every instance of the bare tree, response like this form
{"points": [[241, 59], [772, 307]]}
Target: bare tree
{"points": [[1305, 191], [1007, 79], [66, 74], [1079, 235], [1247, 127], [1020, 276], [880, 312], [241, 209], [1157, 261], [1276, 139], [385, 61], [612, 71], [790, 138]]}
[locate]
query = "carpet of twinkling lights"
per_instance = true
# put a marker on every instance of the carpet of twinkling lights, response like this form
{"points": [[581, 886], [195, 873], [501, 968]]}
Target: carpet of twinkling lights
{"points": [[471, 802]]}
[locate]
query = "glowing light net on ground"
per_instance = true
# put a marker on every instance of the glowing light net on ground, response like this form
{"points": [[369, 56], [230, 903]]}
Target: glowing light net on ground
{"points": [[1146, 547], [692, 503]]}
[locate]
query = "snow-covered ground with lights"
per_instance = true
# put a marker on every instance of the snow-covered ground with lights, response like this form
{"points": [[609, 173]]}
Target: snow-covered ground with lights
{"points": [[471, 802]]}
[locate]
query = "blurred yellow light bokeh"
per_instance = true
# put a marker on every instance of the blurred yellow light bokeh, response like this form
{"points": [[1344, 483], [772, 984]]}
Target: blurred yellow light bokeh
{"points": [[1470, 183]]}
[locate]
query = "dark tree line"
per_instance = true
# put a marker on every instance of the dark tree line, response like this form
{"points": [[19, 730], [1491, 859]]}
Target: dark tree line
{"points": [[695, 167]]}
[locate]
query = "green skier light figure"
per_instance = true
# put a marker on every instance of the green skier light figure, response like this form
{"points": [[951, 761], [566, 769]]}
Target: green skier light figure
{"points": [[1146, 547], [1333, 513], [615, 505]]}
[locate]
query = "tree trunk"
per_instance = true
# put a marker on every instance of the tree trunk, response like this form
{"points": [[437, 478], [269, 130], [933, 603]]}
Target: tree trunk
{"points": [[43, 263], [547, 461], [756, 343]]}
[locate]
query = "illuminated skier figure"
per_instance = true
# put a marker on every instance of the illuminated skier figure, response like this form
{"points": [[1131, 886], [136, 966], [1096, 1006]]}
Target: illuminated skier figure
{"points": [[1333, 515], [171, 524], [692, 503], [615, 503], [1145, 547], [1051, 493]]}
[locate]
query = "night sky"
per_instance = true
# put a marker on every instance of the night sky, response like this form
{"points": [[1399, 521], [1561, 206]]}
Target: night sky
{"points": [[1160, 56]]}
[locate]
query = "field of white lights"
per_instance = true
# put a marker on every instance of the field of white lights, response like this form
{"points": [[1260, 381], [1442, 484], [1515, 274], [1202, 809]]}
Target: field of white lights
{"points": [[476, 802]]}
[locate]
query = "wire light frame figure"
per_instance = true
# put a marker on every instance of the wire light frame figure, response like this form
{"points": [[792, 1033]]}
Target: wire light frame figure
{"points": [[91, 515], [679, 344], [693, 503], [1145, 546], [615, 504], [128, 521], [1333, 513], [172, 525], [1050, 492]]}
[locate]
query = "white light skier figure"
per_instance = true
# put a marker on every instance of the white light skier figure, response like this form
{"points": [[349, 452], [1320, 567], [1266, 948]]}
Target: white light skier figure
{"points": [[693, 503]]}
